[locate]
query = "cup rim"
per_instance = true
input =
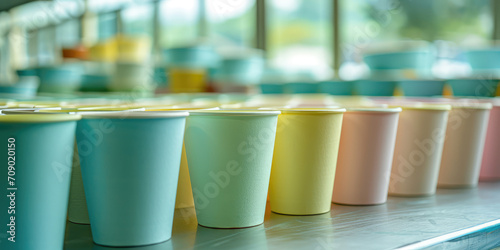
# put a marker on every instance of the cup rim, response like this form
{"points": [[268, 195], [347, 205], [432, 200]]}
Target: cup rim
{"points": [[28, 117], [222, 112], [131, 114], [375, 110], [423, 106], [318, 110]]}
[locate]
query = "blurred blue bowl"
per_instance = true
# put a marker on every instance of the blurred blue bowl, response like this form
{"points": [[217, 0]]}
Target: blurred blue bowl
{"points": [[474, 87], [483, 59], [399, 60], [374, 88], [191, 57], [336, 87], [240, 71], [301, 88], [271, 88], [422, 87], [27, 86]]}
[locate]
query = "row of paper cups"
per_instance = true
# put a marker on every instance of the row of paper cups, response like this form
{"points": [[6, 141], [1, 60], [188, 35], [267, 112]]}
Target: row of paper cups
{"points": [[130, 164]]}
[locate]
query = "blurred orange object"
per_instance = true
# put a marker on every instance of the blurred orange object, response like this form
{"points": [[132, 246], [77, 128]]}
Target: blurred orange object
{"points": [[78, 52]]}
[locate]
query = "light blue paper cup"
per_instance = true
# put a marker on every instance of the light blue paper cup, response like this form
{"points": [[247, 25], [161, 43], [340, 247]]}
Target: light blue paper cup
{"points": [[374, 88], [336, 87], [474, 87], [130, 168], [422, 87], [301, 88], [37, 153]]}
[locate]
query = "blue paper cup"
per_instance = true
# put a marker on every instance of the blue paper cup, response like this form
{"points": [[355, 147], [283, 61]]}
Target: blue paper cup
{"points": [[336, 87], [37, 152], [422, 87], [301, 88], [130, 168], [374, 88], [474, 87]]}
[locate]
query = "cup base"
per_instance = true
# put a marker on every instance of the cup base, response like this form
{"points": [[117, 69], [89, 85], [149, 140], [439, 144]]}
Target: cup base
{"points": [[305, 214], [358, 204], [489, 179], [79, 223], [140, 245], [229, 227], [417, 195], [456, 186]]}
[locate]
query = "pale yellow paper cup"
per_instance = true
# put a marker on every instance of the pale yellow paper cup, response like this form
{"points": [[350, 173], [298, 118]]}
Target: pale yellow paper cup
{"points": [[304, 161]]}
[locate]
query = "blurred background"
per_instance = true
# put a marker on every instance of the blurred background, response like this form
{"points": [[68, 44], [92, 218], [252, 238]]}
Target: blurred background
{"points": [[246, 46]]}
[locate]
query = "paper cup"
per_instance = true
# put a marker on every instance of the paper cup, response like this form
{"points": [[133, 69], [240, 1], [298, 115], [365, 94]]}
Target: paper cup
{"points": [[365, 156], [130, 167], [304, 161], [419, 145], [463, 146], [37, 152], [230, 156], [490, 166]]}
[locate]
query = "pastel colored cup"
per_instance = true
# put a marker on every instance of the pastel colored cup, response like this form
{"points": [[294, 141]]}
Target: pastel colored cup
{"points": [[374, 88], [130, 168], [365, 156], [490, 166], [240, 71], [304, 161], [184, 197], [38, 149], [463, 146], [336, 87], [230, 155], [301, 88], [418, 150], [422, 87], [474, 87]]}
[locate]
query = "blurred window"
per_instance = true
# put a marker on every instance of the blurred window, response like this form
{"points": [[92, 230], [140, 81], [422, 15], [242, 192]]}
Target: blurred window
{"points": [[231, 22], [179, 21], [299, 34]]}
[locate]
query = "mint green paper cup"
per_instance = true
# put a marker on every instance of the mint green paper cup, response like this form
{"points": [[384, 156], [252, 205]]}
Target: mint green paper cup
{"points": [[36, 152], [229, 156]]}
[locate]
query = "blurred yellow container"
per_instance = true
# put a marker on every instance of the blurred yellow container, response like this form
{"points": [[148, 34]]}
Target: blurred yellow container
{"points": [[304, 161], [186, 80]]}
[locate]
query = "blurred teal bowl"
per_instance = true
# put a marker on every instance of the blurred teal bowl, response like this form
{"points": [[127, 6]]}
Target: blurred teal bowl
{"points": [[374, 88], [271, 88], [26, 72], [95, 83], [27, 86], [241, 71], [474, 87], [336, 87], [422, 87], [191, 57], [483, 59], [301, 88], [399, 60], [59, 79]]}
